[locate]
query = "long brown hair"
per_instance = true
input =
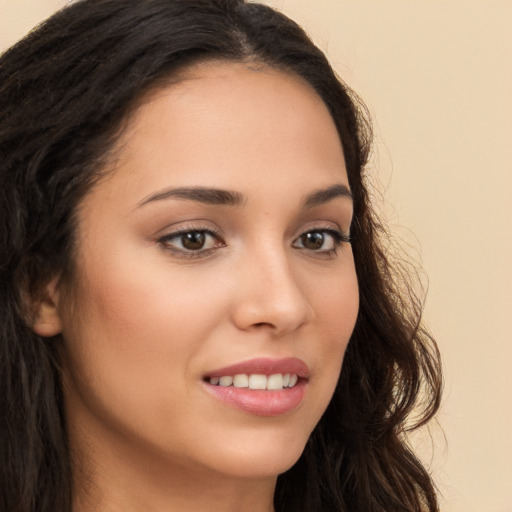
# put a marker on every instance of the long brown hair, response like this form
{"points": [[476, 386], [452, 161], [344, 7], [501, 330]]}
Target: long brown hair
{"points": [[65, 92]]}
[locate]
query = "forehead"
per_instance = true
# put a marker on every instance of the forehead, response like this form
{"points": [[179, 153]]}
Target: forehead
{"points": [[232, 126]]}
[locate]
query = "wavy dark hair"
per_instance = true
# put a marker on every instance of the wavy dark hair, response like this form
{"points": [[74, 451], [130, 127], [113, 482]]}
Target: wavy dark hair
{"points": [[66, 91]]}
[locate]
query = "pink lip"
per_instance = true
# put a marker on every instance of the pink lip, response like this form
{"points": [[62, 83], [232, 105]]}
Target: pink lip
{"points": [[262, 402], [265, 366]]}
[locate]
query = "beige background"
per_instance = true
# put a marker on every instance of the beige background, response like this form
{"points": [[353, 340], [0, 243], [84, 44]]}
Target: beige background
{"points": [[437, 77]]}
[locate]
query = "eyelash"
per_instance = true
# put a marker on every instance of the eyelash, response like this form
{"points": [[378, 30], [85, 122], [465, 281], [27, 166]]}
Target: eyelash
{"points": [[338, 238], [165, 240]]}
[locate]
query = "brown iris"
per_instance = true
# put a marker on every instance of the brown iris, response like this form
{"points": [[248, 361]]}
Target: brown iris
{"points": [[313, 240], [194, 240]]}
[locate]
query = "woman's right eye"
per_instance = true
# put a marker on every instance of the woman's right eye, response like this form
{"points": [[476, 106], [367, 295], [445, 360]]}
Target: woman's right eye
{"points": [[191, 243]]}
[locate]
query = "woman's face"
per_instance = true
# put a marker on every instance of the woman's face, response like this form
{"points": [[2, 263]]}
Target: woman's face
{"points": [[216, 248]]}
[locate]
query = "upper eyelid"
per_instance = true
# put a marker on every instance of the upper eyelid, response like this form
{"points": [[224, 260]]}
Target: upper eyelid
{"points": [[186, 228], [180, 231], [215, 231], [177, 234], [322, 226]]}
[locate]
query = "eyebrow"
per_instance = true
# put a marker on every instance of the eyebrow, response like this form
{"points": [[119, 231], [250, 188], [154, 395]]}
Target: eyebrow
{"points": [[215, 196], [325, 195]]}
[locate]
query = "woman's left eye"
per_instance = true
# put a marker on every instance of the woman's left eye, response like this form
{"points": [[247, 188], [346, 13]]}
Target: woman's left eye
{"points": [[321, 240], [192, 242]]}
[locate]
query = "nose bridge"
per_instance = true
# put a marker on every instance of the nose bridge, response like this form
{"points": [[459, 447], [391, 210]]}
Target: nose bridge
{"points": [[270, 294]]}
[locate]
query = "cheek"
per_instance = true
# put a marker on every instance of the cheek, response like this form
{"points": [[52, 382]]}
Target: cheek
{"points": [[336, 307], [133, 330], [148, 301]]}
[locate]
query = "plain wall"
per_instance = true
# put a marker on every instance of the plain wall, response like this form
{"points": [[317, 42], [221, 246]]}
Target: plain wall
{"points": [[437, 77]]}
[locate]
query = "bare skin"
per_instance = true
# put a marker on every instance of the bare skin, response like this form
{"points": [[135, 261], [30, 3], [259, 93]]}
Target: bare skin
{"points": [[171, 286]]}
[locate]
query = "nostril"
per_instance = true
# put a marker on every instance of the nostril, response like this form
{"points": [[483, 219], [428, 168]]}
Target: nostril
{"points": [[263, 324]]}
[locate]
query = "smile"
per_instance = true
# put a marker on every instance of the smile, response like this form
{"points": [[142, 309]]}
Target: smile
{"points": [[262, 386], [276, 381]]}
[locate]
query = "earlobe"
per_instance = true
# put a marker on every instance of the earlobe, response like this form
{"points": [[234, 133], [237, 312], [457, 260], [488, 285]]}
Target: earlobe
{"points": [[46, 318]]}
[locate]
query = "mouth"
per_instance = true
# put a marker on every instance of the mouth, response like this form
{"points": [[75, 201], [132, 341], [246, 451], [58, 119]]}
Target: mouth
{"points": [[254, 381], [263, 387]]}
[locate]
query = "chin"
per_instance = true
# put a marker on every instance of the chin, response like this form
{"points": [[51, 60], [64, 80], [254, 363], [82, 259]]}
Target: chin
{"points": [[255, 468], [261, 458]]}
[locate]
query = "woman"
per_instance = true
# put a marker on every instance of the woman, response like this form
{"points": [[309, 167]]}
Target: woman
{"points": [[187, 250]]}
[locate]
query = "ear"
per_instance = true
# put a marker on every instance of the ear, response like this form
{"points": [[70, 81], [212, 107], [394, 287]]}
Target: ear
{"points": [[46, 318]]}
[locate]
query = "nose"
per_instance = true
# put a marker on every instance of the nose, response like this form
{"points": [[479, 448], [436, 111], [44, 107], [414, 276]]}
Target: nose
{"points": [[269, 295]]}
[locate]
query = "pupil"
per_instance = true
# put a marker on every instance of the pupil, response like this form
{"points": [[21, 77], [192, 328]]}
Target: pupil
{"points": [[193, 240], [313, 240]]}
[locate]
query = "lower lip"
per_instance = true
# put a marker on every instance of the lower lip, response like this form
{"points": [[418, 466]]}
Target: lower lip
{"points": [[261, 402]]}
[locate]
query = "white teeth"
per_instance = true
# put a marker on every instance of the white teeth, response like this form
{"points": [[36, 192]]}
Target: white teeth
{"points": [[241, 381], [258, 381], [226, 381], [275, 381]]}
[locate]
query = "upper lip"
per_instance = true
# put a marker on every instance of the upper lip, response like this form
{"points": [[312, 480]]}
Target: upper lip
{"points": [[264, 366]]}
